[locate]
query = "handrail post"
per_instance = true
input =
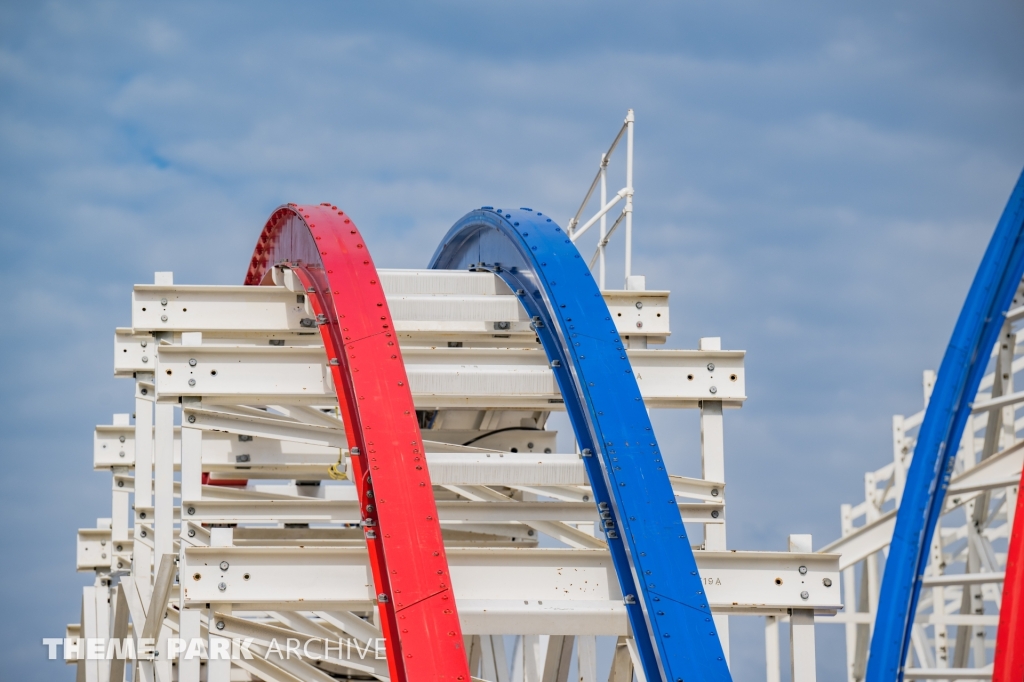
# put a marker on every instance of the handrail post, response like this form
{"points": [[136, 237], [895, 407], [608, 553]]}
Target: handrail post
{"points": [[604, 220], [629, 196]]}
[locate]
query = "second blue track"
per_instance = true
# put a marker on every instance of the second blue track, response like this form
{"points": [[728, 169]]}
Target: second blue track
{"points": [[663, 592]]}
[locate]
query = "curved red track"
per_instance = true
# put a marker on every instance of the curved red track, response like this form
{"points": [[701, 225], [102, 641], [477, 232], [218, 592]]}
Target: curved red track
{"points": [[1009, 656], [410, 570]]}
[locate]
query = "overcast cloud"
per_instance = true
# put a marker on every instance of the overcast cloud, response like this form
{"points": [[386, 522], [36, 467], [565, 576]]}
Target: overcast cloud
{"points": [[815, 184]]}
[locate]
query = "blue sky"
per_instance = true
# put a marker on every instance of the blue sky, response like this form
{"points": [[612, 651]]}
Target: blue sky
{"points": [[815, 183]]}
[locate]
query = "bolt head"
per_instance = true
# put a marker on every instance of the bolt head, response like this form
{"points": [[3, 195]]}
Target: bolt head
{"points": [[121, 438], [224, 565], [711, 367], [713, 389], [827, 582], [144, 359], [639, 305], [714, 514], [714, 492], [163, 318], [222, 586], [120, 484], [163, 301], [191, 511], [192, 382], [191, 362], [191, 419], [220, 623], [805, 595], [803, 570], [191, 532]]}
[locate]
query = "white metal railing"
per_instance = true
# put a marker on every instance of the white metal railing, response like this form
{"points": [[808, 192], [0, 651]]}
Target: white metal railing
{"points": [[601, 217]]}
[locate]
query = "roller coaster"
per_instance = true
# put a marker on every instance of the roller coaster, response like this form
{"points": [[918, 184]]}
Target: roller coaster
{"points": [[339, 471]]}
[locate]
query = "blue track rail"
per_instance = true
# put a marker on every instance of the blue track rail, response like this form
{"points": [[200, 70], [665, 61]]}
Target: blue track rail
{"points": [[960, 374], [664, 594]]}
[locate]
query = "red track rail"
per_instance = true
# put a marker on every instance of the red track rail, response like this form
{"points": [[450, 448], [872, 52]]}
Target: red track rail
{"points": [[1009, 657], [410, 569]]}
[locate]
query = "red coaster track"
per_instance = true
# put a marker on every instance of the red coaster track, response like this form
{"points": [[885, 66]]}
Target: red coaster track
{"points": [[410, 571], [1009, 655]]}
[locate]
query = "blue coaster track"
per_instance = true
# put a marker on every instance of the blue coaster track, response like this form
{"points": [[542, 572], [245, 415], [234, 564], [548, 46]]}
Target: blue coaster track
{"points": [[959, 377], [664, 595]]}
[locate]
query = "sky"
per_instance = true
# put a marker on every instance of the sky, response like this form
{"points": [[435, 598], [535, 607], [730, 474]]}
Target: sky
{"points": [[815, 183]]}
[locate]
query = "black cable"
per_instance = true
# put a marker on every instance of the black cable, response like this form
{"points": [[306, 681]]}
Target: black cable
{"points": [[507, 428]]}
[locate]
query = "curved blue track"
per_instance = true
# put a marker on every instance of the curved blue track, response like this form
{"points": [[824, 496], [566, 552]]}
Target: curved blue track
{"points": [[665, 598], [959, 377]]}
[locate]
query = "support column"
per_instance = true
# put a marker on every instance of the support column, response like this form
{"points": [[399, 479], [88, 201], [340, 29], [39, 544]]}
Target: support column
{"points": [[191, 489], [773, 663], [558, 658], [118, 629], [495, 663], [163, 512], [712, 450], [531, 658], [622, 664], [941, 634], [219, 670], [801, 645], [102, 614], [849, 596], [586, 658], [801, 625], [89, 632], [163, 481], [142, 556], [900, 455], [120, 515]]}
